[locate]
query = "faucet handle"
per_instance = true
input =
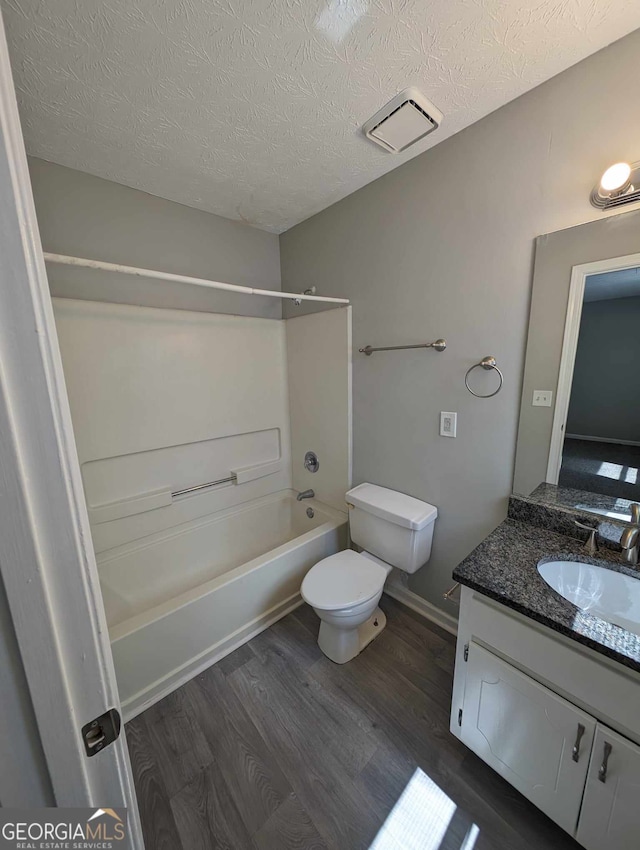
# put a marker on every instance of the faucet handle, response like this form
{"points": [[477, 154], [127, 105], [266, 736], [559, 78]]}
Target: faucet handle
{"points": [[590, 545], [634, 507]]}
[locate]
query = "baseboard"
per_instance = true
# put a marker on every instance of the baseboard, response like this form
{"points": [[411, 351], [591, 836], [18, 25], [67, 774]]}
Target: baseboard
{"points": [[602, 440], [420, 605], [144, 699]]}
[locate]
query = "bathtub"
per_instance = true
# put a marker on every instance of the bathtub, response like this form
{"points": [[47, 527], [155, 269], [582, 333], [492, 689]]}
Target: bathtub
{"points": [[180, 600]]}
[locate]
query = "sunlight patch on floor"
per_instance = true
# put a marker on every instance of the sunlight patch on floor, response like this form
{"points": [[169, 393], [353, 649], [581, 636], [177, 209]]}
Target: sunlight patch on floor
{"points": [[420, 820], [628, 474]]}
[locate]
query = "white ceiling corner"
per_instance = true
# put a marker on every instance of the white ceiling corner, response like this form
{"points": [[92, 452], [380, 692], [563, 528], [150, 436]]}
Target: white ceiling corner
{"points": [[252, 109]]}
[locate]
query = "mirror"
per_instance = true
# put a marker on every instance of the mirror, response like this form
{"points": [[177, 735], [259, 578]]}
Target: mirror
{"points": [[599, 437], [579, 432]]}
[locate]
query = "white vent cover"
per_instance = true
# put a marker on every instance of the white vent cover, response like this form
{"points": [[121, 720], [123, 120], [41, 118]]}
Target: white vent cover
{"points": [[407, 118]]}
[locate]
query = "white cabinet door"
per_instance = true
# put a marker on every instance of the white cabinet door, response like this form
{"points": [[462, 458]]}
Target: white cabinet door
{"points": [[610, 817], [537, 741]]}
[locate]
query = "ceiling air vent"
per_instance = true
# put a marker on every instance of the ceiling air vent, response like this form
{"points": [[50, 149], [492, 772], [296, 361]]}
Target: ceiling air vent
{"points": [[407, 118]]}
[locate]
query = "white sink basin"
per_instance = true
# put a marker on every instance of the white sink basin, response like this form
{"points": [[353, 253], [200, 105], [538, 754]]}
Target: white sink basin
{"points": [[612, 596]]}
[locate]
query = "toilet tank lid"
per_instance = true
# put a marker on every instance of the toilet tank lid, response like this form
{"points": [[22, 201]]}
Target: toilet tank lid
{"points": [[393, 506]]}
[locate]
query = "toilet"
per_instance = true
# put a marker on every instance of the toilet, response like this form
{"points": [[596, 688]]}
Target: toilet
{"points": [[394, 530]]}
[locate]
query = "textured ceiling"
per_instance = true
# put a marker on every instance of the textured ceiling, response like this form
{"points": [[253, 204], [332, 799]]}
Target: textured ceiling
{"points": [[251, 109], [608, 285]]}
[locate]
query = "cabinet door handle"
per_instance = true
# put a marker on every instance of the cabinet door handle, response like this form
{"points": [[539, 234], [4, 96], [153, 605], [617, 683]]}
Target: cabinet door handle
{"points": [[602, 772], [575, 755]]}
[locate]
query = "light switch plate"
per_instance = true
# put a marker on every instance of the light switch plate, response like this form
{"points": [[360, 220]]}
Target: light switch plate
{"points": [[542, 398], [448, 424]]}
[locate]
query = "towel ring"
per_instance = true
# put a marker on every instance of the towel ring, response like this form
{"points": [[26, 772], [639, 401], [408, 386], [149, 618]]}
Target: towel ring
{"points": [[488, 362]]}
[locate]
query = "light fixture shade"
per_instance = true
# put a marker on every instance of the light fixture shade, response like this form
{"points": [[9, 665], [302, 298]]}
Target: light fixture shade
{"points": [[620, 184], [615, 177]]}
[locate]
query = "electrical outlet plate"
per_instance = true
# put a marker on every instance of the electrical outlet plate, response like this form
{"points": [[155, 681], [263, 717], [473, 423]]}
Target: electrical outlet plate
{"points": [[448, 424], [542, 398]]}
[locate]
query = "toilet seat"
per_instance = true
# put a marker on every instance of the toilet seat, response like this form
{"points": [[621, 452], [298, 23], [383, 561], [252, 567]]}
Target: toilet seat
{"points": [[342, 581]]}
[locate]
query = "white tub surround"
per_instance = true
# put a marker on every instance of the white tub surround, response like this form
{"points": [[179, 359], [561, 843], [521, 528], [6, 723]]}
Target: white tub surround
{"points": [[163, 402], [200, 590], [319, 346]]}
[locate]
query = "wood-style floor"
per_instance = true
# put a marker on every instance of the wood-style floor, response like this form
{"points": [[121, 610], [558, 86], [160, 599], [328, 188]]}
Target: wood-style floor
{"points": [[277, 748]]}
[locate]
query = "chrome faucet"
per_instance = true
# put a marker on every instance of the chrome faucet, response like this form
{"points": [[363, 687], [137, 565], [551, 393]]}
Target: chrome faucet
{"points": [[630, 538], [306, 494]]}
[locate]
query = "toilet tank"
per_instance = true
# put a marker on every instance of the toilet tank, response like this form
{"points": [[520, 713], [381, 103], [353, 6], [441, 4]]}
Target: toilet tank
{"points": [[393, 526]]}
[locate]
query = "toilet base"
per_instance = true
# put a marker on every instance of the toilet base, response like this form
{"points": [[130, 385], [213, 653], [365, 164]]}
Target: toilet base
{"points": [[341, 645]]}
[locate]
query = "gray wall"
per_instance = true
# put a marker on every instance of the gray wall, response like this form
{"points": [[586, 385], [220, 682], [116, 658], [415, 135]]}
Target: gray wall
{"points": [[556, 254], [605, 376], [86, 216], [443, 246]]}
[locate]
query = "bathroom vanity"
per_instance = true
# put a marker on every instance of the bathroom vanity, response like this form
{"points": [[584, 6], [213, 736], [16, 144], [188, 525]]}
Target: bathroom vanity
{"points": [[544, 692], [547, 677]]}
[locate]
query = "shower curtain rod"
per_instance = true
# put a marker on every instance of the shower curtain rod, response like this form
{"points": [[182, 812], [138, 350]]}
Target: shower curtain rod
{"points": [[64, 260]]}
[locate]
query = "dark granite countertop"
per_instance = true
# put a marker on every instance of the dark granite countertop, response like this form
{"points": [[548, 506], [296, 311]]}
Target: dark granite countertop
{"points": [[504, 567], [580, 500]]}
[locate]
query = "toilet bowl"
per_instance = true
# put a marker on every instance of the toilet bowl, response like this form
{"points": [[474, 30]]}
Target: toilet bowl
{"points": [[344, 589]]}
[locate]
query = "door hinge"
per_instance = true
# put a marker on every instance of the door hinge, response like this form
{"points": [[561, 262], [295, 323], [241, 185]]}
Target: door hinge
{"points": [[459, 717], [466, 652], [99, 733]]}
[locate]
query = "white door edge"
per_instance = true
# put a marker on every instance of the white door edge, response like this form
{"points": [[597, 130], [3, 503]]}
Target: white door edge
{"points": [[47, 562]]}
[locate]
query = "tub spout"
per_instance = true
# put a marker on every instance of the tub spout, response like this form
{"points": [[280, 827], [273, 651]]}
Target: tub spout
{"points": [[306, 494]]}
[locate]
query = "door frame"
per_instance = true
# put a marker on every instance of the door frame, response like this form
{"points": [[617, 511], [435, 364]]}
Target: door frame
{"points": [[579, 276], [47, 563]]}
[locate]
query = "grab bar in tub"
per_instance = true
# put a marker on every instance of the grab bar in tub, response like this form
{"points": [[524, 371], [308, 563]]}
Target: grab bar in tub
{"points": [[240, 476], [162, 498], [232, 477]]}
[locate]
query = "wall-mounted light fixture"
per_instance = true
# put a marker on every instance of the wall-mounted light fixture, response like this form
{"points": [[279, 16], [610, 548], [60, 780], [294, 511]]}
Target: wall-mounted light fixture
{"points": [[620, 184]]}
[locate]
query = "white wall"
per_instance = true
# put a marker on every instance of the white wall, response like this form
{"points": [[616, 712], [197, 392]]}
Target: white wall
{"points": [[86, 216], [319, 367], [167, 399], [442, 246]]}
